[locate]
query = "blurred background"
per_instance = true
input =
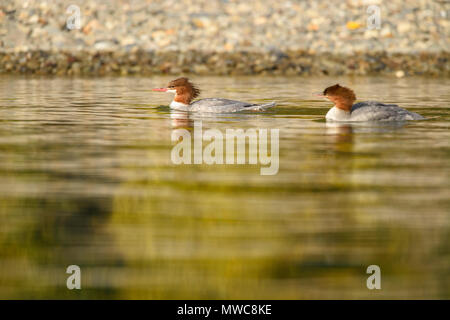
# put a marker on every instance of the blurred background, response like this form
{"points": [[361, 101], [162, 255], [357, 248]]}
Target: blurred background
{"points": [[225, 37], [86, 177]]}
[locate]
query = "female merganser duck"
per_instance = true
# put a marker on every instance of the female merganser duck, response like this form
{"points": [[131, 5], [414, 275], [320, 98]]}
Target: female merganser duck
{"points": [[186, 91], [345, 110]]}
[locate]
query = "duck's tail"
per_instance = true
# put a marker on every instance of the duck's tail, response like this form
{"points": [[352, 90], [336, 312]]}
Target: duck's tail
{"points": [[262, 107]]}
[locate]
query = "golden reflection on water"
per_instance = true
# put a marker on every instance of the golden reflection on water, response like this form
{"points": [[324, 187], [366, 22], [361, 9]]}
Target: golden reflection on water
{"points": [[86, 179]]}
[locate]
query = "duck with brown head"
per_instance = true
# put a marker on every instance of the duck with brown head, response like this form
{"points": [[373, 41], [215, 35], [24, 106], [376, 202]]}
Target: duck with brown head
{"points": [[345, 110], [185, 92]]}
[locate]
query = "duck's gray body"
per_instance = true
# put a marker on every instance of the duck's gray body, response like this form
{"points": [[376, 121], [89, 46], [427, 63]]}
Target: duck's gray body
{"points": [[215, 105], [372, 111]]}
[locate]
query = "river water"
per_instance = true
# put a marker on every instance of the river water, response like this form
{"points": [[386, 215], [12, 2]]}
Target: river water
{"points": [[87, 179]]}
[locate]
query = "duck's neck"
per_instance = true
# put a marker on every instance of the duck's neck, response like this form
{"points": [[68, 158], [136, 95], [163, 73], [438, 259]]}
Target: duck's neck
{"points": [[343, 103], [179, 105], [338, 114], [183, 96], [341, 110], [182, 100]]}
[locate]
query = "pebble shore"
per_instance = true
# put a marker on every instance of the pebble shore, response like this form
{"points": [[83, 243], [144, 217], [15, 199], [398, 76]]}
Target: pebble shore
{"points": [[320, 37]]}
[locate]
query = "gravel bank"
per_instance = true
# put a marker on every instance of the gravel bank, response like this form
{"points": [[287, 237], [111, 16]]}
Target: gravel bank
{"points": [[226, 37]]}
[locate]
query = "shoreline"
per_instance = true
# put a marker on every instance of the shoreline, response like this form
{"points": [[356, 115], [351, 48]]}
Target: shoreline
{"points": [[286, 63]]}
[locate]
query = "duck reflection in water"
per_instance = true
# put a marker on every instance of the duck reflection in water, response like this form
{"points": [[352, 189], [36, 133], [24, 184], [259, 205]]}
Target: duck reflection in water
{"points": [[340, 132], [181, 120]]}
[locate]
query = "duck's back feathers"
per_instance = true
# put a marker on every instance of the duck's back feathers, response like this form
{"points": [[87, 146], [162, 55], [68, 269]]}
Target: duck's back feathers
{"points": [[225, 105], [377, 111]]}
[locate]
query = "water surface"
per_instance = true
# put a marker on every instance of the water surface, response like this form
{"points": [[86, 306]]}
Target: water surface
{"points": [[87, 179]]}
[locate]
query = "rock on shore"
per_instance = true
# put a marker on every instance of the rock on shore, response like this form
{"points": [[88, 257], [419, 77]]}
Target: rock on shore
{"points": [[225, 37]]}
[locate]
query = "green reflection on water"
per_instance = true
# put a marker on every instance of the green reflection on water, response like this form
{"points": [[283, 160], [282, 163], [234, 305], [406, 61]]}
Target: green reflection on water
{"points": [[87, 180]]}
